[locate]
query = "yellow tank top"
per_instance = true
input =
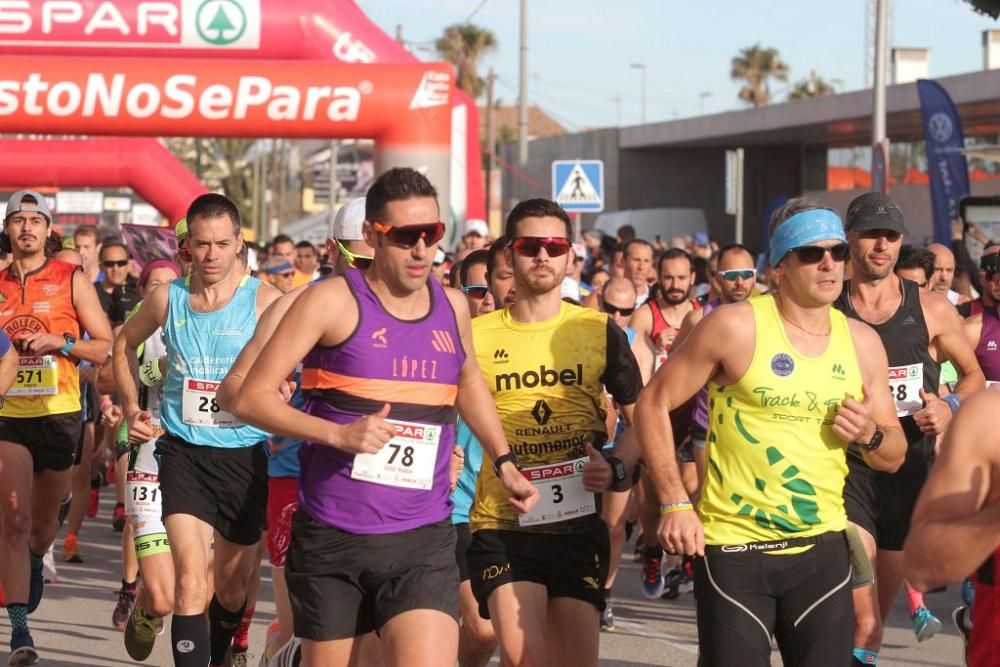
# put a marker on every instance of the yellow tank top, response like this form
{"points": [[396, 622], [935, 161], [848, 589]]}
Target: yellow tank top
{"points": [[776, 469]]}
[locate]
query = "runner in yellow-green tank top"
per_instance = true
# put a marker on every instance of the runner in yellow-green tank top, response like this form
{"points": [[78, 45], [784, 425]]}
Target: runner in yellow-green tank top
{"points": [[789, 386]]}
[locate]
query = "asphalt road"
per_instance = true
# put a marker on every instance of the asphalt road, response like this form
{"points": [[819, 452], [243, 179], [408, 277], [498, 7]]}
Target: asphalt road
{"points": [[72, 627]]}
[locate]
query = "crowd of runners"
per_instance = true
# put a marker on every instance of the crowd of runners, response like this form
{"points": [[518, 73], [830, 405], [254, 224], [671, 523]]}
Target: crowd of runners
{"points": [[444, 455]]}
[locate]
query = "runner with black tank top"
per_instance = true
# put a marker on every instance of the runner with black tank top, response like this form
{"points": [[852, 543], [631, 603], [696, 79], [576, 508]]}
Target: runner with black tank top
{"points": [[956, 523], [919, 331], [372, 546]]}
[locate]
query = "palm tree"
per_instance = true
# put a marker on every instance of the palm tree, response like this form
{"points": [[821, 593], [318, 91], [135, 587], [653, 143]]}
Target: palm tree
{"points": [[988, 7], [814, 86], [756, 66], [462, 45]]}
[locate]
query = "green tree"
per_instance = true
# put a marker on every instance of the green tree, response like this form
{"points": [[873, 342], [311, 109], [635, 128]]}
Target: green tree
{"points": [[755, 67], [463, 45], [814, 86], [221, 23], [988, 7]]}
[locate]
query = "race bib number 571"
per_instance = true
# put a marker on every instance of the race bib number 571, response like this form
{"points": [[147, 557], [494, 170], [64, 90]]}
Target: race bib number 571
{"points": [[36, 376]]}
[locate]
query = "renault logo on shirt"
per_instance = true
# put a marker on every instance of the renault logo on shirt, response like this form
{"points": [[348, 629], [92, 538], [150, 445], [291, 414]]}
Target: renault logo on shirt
{"points": [[543, 377]]}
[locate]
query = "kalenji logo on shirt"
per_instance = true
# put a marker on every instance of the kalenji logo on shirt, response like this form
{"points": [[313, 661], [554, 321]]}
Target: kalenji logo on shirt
{"points": [[232, 24]]}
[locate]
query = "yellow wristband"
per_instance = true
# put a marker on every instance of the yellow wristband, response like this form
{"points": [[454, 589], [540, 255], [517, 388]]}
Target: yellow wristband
{"points": [[149, 373], [676, 507]]}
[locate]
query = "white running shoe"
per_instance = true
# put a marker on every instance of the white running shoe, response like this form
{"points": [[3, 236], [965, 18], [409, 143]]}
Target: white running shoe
{"points": [[49, 566]]}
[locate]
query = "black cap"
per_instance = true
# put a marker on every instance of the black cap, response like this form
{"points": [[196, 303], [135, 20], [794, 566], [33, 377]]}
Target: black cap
{"points": [[874, 210]]}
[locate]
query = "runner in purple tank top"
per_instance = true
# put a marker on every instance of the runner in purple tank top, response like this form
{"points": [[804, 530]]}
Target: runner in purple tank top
{"points": [[388, 364], [983, 330]]}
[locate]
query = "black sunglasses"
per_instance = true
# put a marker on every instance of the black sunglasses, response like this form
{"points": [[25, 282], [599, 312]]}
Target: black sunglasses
{"points": [[107, 264], [530, 246], [476, 291], [814, 254], [611, 310], [408, 236]]}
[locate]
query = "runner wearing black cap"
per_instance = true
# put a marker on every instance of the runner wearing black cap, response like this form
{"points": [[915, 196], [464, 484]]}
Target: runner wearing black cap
{"points": [[919, 330]]}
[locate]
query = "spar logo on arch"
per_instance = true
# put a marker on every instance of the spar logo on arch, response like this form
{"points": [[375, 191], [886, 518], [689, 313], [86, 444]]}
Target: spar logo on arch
{"points": [[230, 24]]}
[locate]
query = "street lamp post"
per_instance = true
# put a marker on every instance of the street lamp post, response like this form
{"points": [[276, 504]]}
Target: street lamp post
{"points": [[642, 71]]}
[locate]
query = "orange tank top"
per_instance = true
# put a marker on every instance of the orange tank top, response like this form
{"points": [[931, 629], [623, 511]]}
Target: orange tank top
{"points": [[50, 384]]}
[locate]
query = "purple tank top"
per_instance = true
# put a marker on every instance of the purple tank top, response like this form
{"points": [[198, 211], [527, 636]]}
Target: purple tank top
{"points": [[701, 402], [412, 365], [988, 349]]}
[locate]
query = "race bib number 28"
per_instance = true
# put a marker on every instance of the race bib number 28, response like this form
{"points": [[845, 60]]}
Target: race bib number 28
{"points": [[905, 383], [200, 408]]}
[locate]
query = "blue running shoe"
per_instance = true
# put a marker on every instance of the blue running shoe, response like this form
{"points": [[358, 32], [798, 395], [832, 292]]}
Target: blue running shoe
{"points": [[22, 650], [925, 624], [652, 572], [37, 586]]}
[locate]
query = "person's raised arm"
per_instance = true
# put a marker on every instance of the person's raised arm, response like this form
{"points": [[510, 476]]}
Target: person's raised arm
{"points": [[956, 521], [151, 315], [307, 323], [859, 416], [478, 410]]}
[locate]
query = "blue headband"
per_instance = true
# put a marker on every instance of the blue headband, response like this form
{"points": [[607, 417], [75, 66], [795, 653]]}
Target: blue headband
{"points": [[805, 228], [272, 270]]}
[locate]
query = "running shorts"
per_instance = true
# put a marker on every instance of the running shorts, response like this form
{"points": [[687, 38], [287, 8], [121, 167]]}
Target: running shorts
{"points": [[463, 538], [224, 487], [52, 440], [282, 502], [144, 503], [345, 585], [698, 436], [881, 503], [803, 600], [569, 565]]}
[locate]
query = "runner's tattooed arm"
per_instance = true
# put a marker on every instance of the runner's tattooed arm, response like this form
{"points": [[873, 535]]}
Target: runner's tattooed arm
{"points": [[956, 521]]}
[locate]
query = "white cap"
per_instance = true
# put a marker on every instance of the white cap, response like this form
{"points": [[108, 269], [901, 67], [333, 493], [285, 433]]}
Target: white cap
{"points": [[348, 221], [440, 257], [570, 290], [474, 226], [581, 250]]}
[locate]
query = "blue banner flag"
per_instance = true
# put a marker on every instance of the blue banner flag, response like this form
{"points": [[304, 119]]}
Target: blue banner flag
{"points": [[946, 166]]}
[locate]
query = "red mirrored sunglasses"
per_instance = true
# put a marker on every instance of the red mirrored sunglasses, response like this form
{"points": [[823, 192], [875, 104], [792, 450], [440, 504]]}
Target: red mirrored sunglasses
{"points": [[408, 236], [530, 246]]}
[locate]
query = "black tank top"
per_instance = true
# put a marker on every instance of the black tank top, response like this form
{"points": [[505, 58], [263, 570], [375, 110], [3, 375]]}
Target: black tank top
{"points": [[906, 341]]}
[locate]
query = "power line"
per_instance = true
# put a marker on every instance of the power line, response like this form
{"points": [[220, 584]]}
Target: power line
{"points": [[476, 11]]}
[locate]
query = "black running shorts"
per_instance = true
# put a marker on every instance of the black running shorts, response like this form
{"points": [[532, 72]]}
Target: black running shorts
{"points": [[345, 585], [463, 538], [803, 599], [53, 440], [224, 487], [882, 503], [569, 565]]}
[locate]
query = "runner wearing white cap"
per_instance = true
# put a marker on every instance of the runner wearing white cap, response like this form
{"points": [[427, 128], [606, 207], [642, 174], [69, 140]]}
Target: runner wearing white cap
{"points": [[347, 247]]}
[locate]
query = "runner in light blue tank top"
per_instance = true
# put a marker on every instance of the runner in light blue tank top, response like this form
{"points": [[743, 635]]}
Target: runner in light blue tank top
{"points": [[201, 348]]}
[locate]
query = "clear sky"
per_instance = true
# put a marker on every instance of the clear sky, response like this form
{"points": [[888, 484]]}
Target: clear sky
{"points": [[580, 51]]}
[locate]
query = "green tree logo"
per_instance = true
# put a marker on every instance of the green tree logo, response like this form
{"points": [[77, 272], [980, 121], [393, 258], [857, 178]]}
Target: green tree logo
{"points": [[221, 22]]}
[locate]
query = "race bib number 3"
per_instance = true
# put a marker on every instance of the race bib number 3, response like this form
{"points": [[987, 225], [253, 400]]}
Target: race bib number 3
{"points": [[407, 460], [36, 376], [142, 492], [905, 383], [199, 407], [561, 493]]}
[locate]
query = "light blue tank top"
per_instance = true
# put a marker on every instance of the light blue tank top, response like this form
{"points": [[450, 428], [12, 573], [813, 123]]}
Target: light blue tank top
{"points": [[201, 348]]}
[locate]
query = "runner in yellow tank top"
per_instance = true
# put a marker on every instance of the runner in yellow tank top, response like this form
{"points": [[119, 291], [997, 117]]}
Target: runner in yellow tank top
{"points": [[789, 389]]}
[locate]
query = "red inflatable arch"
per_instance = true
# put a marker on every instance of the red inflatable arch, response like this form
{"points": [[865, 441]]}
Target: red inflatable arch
{"points": [[141, 163], [324, 30]]}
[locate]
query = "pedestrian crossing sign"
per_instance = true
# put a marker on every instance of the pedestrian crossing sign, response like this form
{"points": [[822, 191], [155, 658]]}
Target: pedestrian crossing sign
{"points": [[578, 185]]}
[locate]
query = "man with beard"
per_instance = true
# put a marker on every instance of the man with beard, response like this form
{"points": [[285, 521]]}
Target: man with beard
{"points": [[48, 305], [538, 576], [919, 331]]}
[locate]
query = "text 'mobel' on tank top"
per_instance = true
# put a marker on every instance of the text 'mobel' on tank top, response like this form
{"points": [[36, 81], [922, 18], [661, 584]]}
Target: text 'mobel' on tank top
{"points": [[911, 367], [201, 348], [776, 468], [412, 365]]}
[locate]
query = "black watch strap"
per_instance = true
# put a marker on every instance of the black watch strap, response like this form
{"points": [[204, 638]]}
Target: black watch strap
{"points": [[619, 474], [875, 442], [509, 457]]}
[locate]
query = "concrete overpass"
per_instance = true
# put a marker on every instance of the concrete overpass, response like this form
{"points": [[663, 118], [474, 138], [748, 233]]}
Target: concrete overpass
{"points": [[681, 162]]}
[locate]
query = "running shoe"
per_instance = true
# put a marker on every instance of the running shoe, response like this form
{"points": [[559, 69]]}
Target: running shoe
{"points": [[241, 659], [925, 624], [686, 584], [652, 573], [960, 617], [49, 573], [71, 551], [123, 610], [671, 583], [968, 591], [289, 655], [118, 520], [141, 632], [36, 586], [64, 508], [607, 617], [95, 498], [22, 650]]}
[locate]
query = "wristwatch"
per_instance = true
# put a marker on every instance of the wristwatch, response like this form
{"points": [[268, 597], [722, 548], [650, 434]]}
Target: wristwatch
{"points": [[619, 474], [509, 457], [70, 342], [875, 442]]}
